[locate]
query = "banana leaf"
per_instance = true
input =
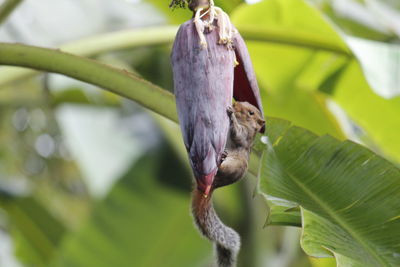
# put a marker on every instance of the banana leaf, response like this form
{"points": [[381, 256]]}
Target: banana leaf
{"points": [[349, 196]]}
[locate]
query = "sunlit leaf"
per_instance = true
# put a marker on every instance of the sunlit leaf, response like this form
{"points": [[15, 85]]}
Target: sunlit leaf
{"points": [[380, 65], [355, 18], [377, 116]]}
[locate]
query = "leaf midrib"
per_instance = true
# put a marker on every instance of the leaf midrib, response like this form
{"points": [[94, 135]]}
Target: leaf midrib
{"points": [[342, 222]]}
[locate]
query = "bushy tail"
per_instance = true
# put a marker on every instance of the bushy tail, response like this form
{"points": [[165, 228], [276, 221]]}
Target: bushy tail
{"points": [[227, 241]]}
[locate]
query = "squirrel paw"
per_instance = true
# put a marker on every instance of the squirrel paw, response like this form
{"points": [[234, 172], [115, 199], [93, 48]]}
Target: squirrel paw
{"points": [[224, 155], [230, 110]]}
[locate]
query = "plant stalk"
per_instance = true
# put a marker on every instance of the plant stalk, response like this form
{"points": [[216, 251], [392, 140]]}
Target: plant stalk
{"points": [[120, 82], [99, 44]]}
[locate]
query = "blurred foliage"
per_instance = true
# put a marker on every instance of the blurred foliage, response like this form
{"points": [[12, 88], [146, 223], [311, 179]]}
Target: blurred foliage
{"points": [[144, 218], [36, 231], [139, 220], [368, 19]]}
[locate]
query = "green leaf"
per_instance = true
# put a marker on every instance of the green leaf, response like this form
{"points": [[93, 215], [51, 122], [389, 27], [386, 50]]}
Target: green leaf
{"points": [[144, 221], [280, 215], [350, 24], [349, 196], [377, 116], [384, 78]]}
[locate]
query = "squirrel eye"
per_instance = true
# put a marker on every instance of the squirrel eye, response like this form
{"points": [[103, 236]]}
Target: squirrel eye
{"points": [[251, 113]]}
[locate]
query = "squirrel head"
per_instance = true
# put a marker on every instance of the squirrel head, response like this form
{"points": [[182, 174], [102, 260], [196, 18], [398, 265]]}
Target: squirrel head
{"points": [[249, 115]]}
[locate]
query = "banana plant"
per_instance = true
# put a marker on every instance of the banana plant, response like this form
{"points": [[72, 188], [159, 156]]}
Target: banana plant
{"points": [[343, 195]]}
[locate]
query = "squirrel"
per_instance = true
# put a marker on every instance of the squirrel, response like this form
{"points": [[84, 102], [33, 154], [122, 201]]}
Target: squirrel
{"points": [[245, 121]]}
